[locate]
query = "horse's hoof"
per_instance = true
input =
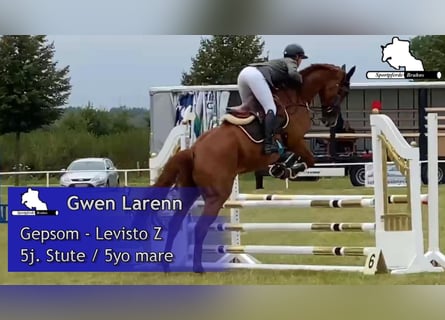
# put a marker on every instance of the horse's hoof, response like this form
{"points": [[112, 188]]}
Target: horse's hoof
{"points": [[198, 269], [166, 268]]}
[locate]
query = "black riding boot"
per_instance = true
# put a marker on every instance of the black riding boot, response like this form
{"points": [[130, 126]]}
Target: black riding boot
{"points": [[270, 145]]}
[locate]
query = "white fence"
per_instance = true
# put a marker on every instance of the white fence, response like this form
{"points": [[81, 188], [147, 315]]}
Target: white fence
{"points": [[49, 173], [125, 172]]}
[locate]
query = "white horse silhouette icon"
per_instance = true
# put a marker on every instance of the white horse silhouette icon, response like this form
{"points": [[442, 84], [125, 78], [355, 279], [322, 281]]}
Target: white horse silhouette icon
{"points": [[31, 200]]}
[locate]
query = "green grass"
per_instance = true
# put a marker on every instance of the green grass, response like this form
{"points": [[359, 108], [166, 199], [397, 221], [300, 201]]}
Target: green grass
{"points": [[324, 186]]}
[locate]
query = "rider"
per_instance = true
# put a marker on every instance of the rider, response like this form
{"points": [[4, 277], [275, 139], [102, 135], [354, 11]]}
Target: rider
{"points": [[259, 78]]}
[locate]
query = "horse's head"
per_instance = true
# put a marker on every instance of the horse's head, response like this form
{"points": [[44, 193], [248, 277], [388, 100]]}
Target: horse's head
{"points": [[332, 94], [332, 84]]}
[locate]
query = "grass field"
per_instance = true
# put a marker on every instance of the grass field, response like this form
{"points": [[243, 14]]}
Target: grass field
{"points": [[240, 277]]}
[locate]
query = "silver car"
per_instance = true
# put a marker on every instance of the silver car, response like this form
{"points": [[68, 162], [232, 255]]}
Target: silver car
{"points": [[90, 172]]}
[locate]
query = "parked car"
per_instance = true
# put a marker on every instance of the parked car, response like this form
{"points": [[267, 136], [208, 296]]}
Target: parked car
{"points": [[90, 172]]}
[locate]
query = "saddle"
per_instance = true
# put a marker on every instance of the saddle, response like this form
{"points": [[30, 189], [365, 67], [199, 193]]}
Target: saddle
{"points": [[249, 117]]}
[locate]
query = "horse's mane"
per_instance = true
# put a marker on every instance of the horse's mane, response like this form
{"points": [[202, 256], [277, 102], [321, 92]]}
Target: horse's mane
{"points": [[313, 67], [317, 66]]}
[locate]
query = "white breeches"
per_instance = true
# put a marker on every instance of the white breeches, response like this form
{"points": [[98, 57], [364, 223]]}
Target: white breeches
{"points": [[252, 82]]}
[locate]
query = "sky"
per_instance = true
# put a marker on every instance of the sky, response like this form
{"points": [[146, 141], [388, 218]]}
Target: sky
{"points": [[110, 71]]}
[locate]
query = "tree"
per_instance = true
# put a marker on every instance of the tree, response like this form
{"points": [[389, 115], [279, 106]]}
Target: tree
{"points": [[431, 50], [32, 89], [221, 58], [97, 121], [120, 122]]}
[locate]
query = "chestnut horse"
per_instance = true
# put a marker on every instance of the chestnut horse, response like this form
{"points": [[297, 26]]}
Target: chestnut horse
{"points": [[220, 154]]}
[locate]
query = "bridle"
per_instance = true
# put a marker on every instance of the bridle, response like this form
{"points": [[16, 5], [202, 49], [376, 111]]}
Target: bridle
{"points": [[335, 106], [326, 110], [342, 92]]}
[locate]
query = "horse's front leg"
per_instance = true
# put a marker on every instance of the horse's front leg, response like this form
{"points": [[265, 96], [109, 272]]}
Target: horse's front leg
{"points": [[301, 149], [298, 158]]}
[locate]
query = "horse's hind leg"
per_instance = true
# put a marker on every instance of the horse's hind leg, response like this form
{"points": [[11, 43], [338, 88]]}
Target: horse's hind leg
{"points": [[176, 221], [188, 195], [214, 200]]}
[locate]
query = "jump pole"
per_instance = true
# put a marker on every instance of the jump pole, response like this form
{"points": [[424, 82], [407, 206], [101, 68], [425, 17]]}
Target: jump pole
{"points": [[289, 227], [396, 198], [359, 203], [292, 250]]}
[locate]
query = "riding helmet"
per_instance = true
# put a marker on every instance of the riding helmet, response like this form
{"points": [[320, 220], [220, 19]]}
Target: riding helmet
{"points": [[293, 50]]}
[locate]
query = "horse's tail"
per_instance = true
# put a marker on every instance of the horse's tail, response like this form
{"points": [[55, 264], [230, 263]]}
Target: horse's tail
{"points": [[180, 164]]}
